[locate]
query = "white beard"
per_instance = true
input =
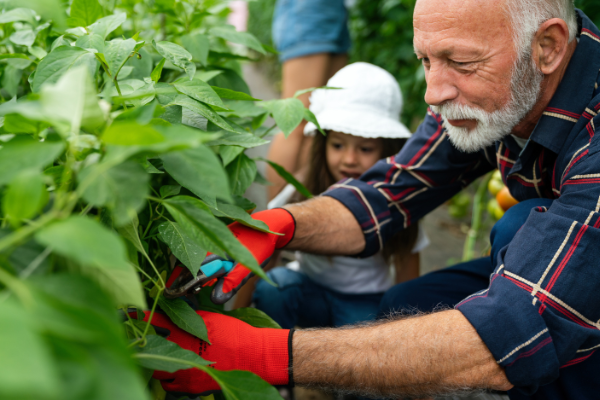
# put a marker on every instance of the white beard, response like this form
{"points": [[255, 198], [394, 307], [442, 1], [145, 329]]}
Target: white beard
{"points": [[491, 127]]}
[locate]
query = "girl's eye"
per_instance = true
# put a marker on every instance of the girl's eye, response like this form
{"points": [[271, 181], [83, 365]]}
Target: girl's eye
{"points": [[336, 146], [367, 149]]}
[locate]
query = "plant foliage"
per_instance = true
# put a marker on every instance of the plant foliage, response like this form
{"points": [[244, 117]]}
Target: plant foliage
{"points": [[123, 131]]}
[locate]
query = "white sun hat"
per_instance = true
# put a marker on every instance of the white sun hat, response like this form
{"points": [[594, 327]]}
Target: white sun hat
{"points": [[368, 104]]}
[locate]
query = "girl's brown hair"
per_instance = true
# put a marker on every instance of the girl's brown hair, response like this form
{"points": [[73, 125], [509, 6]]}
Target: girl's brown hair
{"points": [[319, 178]]}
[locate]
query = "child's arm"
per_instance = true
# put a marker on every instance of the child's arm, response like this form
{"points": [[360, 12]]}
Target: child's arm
{"points": [[407, 268]]}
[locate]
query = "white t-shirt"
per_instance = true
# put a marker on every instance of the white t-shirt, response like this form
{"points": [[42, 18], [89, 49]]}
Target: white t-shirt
{"points": [[346, 274]]}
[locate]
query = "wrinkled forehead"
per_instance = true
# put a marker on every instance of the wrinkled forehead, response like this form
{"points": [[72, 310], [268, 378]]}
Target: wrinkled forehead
{"points": [[461, 23]]}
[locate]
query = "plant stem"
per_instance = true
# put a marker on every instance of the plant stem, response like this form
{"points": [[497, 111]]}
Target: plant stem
{"points": [[133, 327], [268, 131], [33, 265], [145, 274], [151, 314], [478, 209], [86, 209], [163, 285]]}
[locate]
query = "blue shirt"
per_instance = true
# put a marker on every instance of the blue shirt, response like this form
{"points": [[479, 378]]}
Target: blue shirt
{"points": [[540, 316]]}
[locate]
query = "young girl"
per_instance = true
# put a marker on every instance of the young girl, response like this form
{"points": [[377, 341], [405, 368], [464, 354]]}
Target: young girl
{"points": [[362, 125]]}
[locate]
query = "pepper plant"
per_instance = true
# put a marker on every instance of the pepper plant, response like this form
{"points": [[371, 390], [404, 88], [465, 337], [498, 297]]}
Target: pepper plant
{"points": [[124, 125]]}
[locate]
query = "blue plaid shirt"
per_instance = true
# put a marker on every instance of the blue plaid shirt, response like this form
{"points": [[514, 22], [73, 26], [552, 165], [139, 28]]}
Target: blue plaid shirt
{"points": [[540, 316]]}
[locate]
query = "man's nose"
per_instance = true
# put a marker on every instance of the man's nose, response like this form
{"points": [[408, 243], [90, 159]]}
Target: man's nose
{"points": [[440, 86]]}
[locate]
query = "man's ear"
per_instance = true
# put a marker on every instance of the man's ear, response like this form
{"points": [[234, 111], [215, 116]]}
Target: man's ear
{"points": [[550, 45]]}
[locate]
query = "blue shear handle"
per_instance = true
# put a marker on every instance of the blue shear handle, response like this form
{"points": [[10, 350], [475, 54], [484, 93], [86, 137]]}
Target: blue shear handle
{"points": [[213, 267]]}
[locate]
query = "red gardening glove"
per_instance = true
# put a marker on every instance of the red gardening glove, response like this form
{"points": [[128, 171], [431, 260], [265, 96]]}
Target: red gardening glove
{"points": [[261, 245], [235, 345]]}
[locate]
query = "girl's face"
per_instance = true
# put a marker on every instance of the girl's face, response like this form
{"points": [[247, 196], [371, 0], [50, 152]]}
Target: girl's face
{"points": [[350, 156]]}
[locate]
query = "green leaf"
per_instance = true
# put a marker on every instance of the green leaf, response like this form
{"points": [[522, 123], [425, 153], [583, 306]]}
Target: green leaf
{"points": [[205, 111], [233, 95], [163, 355], [230, 153], [310, 117], [207, 75], [91, 41], [243, 385], [241, 172], [254, 317], [188, 251], [21, 154], [229, 33], [246, 140], [106, 25], [73, 99], [142, 115], [117, 52], [197, 45], [169, 190], [130, 133], [14, 55], [130, 232], [101, 254], [200, 171], [24, 197], [122, 188], [194, 217], [288, 113], [157, 71], [11, 79], [15, 123], [289, 178], [28, 371], [84, 12], [83, 313], [142, 64], [37, 52], [176, 138], [18, 14], [239, 214], [59, 61], [177, 55], [24, 37], [182, 315], [201, 91]]}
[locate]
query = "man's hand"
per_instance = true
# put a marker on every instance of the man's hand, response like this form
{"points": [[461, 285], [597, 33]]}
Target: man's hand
{"points": [[261, 245], [235, 345]]}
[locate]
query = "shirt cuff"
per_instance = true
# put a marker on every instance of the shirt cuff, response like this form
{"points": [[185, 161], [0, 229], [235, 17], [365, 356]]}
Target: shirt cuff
{"points": [[370, 208], [516, 334]]}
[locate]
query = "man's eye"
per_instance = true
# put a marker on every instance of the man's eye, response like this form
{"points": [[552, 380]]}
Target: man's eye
{"points": [[461, 64], [425, 61]]}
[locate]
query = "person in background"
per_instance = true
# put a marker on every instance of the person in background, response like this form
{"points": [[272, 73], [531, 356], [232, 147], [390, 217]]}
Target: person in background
{"points": [[313, 40], [362, 125]]}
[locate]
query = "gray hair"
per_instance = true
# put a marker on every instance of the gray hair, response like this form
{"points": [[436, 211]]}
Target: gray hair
{"points": [[527, 15]]}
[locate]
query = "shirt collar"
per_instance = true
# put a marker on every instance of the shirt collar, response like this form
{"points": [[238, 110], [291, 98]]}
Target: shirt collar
{"points": [[574, 91]]}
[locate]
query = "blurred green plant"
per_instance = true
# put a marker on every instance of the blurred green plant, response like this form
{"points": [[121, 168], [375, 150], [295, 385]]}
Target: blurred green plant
{"points": [[123, 131]]}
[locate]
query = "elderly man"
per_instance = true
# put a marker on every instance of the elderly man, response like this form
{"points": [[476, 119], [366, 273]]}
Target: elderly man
{"points": [[512, 84]]}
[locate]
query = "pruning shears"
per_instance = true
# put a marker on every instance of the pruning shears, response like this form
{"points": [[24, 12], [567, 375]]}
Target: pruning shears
{"points": [[212, 267]]}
